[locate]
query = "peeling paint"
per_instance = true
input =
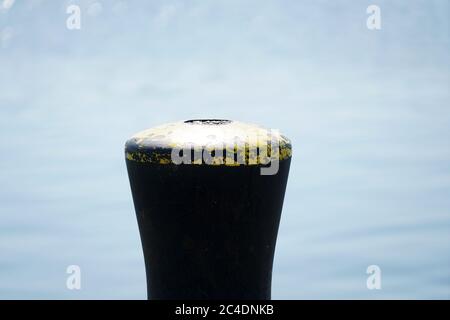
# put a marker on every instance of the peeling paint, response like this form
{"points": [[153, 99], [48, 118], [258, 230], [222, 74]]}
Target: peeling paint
{"points": [[233, 138]]}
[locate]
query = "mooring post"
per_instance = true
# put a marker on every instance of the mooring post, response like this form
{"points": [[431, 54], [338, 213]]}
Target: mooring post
{"points": [[208, 208]]}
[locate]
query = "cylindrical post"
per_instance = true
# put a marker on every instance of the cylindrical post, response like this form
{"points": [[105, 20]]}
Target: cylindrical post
{"points": [[208, 197]]}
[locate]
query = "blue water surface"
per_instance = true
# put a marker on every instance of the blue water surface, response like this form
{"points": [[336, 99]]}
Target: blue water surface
{"points": [[367, 111]]}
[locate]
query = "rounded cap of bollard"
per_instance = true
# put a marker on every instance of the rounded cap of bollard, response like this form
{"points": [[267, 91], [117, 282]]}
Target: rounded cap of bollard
{"points": [[208, 141]]}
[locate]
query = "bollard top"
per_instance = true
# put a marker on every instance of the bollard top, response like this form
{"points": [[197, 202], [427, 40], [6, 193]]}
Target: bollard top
{"points": [[208, 141]]}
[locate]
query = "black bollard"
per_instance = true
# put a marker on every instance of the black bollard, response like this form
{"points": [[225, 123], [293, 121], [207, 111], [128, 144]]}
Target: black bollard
{"points": [[208, 196]]}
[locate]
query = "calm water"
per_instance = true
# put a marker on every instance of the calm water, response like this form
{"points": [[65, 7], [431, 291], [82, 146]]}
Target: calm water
{"points": [[367, 111]]}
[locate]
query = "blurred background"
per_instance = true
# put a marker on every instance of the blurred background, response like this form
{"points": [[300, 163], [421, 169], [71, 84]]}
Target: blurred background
{"points": [[367, 111]]}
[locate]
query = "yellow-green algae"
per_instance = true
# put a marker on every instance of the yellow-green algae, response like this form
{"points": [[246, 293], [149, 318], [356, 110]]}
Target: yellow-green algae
{"points": [[252, 142]]}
